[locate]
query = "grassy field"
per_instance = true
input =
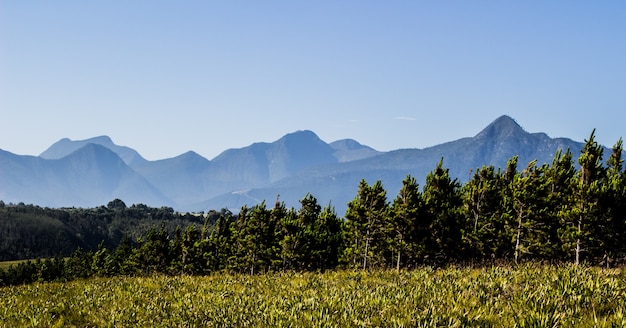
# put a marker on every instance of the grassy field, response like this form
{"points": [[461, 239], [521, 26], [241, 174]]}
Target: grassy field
{"points": [[5, 264], [526, 296]]}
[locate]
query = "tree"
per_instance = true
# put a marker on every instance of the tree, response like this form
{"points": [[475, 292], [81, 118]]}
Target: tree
{"points": [[560, 178], [290, 235], [442, 209], [579, 219], [219, 243], [192, 255], [482, 204], [308, 215], [116, 204], [327, 232], [254, 237], [528, 197], [406, 232], [612, 229], [154, 252], [364, 220]]}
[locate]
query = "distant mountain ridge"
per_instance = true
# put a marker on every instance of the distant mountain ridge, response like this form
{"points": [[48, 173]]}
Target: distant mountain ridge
{"points": [[89, 176], [94, 171], [66, 146]]}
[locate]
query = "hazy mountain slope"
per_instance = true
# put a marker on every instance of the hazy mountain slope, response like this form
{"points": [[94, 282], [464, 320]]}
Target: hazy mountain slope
{"points": [[66, 146], [494, 145], [263, 163], [91, 176], [184, 179], [346, 150], [291, 166], [20, 178]]}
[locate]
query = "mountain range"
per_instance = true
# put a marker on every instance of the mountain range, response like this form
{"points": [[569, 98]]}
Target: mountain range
{"points": [[92, 172]]}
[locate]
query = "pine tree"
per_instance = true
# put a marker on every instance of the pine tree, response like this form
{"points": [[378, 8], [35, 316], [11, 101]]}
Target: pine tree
{"points": [[482, 200], [219, 243], [579, 221], [154, 252], [364, 220], [611, 234], [560, 178], [192, 259], [289, 239], [528, 200], [307, 216], [327, 232], [442, 212], [508, 217], [406, 233]]}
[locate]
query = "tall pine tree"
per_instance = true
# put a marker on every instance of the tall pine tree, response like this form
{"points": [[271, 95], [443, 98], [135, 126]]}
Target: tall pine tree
{"points": [[442, 213], [364, 226], [580, 221], [406, 232]]}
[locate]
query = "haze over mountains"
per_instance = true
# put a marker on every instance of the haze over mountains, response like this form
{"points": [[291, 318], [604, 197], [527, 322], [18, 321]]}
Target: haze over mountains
{"points": [[92, 172]]}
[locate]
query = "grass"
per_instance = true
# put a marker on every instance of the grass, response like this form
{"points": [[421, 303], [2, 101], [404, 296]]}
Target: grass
{"points": [[525, 296], [6, 264]]}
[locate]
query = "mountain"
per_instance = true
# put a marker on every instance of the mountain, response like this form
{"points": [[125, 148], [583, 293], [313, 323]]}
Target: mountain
{"points": [[347, 150], [94, 171], [66, 146], [90, 176], [494, 145], [182, 179], [263, 163]]}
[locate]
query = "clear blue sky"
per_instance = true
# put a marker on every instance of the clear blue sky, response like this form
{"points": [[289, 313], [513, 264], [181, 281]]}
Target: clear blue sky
{"points": [[165, 77]]}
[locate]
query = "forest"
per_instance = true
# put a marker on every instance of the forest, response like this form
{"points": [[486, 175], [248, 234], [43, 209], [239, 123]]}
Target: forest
{"points": [[564, 212]]}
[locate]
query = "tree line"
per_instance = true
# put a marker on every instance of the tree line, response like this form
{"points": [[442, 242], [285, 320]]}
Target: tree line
{"points": [[30, 231], [558, 212]]}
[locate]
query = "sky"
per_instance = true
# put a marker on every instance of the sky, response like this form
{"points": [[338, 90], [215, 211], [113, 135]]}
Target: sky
{"points": [[165, 77]]}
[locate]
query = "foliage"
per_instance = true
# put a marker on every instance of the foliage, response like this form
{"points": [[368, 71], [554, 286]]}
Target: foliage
{"points": [[30, 231], [498, 296]]}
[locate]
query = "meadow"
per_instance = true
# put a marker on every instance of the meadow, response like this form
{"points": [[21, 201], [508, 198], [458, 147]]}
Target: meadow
{"points": [[529, 295]]}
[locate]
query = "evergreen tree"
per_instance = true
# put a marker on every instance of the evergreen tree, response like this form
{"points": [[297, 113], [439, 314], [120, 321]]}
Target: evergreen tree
{"points": [[612, 229], [580, 220], [219, 243], [560, 178], [508, 218], [327, 232], [442, 211], [154, 252], [100, 264], [363, 226], [528, 200], [78, 265], [290, 239], [309, 238], [256, 247], [124, 258], [482, 202], [192, 255], [406, 231], [307, 216]]}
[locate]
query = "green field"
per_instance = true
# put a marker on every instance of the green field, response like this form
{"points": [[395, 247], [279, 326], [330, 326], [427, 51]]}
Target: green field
{"points": [[526, 296], [6, 264]]}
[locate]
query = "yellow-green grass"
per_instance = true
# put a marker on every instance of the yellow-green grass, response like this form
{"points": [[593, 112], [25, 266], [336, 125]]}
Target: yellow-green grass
{"points": [[525, 296], [6, 264]]}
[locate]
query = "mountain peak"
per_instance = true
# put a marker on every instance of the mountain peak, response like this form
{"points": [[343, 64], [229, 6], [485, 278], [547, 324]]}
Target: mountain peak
{"points": [[101, 140], [301, 135], [67, 146], [504, 126]]}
